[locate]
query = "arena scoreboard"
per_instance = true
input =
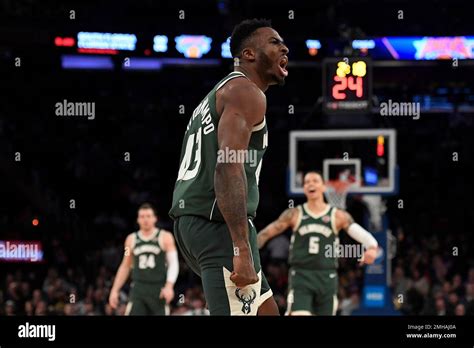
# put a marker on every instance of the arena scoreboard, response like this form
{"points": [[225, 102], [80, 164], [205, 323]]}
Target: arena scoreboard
{"points": [[347, 84]]}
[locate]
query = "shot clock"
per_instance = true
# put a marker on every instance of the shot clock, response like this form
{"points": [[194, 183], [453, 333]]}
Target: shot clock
{"points": [[347, 84]]}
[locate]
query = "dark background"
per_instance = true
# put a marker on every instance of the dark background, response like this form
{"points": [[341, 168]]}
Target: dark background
{"points": [[138, 112]]}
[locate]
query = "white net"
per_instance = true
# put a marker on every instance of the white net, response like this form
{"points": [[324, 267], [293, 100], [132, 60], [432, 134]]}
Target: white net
{"points": [[336, 193]]}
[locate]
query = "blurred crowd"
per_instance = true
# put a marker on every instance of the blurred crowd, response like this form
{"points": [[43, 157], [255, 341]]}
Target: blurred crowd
{"points": [[74, 292], [435, 276], [423, 283]]}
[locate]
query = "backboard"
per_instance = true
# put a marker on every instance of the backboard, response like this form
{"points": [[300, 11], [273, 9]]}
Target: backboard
{"points": [[365, 157]]}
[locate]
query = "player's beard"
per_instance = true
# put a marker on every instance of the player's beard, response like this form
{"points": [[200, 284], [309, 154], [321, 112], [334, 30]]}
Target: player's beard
{"points": [[266, 64]]}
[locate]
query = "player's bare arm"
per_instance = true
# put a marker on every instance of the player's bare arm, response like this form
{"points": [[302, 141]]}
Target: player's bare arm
{"points": [[169, 247], [345, 221], [243, 106], [287, 219], [122, 273]]}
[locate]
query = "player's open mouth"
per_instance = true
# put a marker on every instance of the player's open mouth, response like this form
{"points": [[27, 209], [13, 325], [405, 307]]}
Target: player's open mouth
{"points": [[282, 65], [312, 191]]}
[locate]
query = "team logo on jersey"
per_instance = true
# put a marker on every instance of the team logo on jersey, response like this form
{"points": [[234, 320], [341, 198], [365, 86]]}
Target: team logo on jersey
{"points": [[246, 300], [326, 218]]}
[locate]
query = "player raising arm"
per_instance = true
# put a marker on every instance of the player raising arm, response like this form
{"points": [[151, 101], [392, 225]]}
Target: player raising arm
{"points": [[315, 225]]}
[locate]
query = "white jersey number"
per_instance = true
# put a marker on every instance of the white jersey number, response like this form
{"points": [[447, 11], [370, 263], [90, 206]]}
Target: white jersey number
{"points": [[146, 261], [184, 172], [313, 245]]}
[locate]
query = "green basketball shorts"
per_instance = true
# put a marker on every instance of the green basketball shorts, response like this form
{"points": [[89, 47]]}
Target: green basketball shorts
{"points": [[207, 248], [312, 292]]}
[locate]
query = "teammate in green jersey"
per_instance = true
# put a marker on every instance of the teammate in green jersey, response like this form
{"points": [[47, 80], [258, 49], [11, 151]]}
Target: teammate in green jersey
{"points": [[151, 256], [216, 193], [314, 249]]}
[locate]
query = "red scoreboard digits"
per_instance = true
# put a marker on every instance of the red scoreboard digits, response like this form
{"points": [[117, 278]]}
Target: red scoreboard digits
{"points": [[347, 84]]}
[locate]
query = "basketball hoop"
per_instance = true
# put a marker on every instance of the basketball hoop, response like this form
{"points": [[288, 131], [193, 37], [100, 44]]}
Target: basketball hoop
{"points": [[336, 192]]}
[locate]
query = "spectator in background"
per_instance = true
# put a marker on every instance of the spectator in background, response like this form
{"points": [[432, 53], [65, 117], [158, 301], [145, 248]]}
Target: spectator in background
{"points": [[197, 308], [37, 297], [25, 290], [108, 310], [440, 306], [29, 310], [70, 309], [446, 288], [400, 283], [460, 310], [457, 285], [121, 309], [181, 310], [453, 301], [13, 294], [10, 308], [469, 299], [41, 308], [439, 268], [349, 303], [421, 283], [470, 276]]}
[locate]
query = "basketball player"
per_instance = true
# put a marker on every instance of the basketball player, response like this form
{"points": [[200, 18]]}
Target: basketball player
{"points": [[313, 270], [151, 256], [216, 193]]}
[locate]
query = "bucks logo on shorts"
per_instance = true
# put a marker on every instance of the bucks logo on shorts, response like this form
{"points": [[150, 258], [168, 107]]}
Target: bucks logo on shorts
{"points": [[246, 299]]}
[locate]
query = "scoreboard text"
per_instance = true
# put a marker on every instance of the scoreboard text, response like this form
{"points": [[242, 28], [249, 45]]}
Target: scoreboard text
{"points": [[347, 84]]}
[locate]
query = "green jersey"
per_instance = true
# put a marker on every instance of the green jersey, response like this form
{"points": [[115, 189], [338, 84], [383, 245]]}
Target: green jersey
{"points": [[314, 240], [149, 260], [194, 189]]}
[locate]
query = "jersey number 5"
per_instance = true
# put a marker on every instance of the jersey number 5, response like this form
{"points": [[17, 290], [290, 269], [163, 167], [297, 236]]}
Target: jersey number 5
{"points": [[184, 172], [313, 245], [146, 261]]}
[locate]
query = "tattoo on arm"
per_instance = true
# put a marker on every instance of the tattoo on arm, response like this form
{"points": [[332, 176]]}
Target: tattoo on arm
{"points": [[277, 226], [343, 220], [230, 185], [286, 217], [243, 106], [282, 223]]}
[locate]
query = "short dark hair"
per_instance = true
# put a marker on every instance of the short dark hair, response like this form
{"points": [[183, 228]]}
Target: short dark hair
{"points": [[243, 31], [147, 206], [315, 172]]}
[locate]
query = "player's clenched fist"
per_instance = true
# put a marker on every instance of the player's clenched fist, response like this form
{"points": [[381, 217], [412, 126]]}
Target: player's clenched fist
{"points": [[244, 272], [369, 256]]}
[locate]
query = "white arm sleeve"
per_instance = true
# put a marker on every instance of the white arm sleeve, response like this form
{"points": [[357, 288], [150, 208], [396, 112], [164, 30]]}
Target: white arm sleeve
{"points": [[173, 266], [364, 237]]}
